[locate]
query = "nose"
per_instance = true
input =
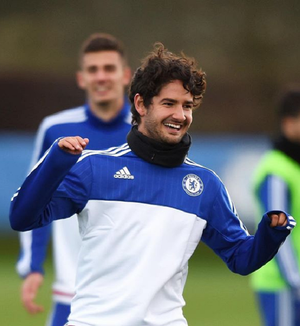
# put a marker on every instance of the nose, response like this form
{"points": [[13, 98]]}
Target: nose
{"points": [[179, 113], [101, 75]]}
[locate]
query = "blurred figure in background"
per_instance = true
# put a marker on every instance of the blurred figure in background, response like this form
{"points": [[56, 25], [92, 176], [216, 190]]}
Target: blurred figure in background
{"points": [[105, 119], [277, 186]]}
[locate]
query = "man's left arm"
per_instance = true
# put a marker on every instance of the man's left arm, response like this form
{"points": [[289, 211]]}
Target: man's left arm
{"points": [[229, 238]]}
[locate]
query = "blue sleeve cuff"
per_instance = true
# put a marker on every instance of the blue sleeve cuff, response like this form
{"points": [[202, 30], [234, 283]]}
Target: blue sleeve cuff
{"points": [[291, 223]]}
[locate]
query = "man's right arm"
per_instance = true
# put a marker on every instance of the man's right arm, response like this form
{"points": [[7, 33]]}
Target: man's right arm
{"points": [[33, 252], [32, 205]]}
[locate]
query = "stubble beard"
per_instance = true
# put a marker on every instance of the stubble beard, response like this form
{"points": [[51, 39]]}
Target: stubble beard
{"points": [[158, 135]]}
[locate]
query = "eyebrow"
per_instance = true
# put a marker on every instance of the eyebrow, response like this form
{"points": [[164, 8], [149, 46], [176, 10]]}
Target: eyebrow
{"points": [[94, 65], [175, 101]]}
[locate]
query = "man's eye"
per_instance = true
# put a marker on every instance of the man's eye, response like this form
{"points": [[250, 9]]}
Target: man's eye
{"points": [[110, 68], [92, 69]]}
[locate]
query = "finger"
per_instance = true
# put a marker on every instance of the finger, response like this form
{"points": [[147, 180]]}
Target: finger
{"points": [[65, 144], [29, 290], [86, 141], [73, 143], [27, 300], [29, 304], [33, 308], [82, 141], [71, 146], [274, 220], [76, 144], [282, 220], [36, 308]]}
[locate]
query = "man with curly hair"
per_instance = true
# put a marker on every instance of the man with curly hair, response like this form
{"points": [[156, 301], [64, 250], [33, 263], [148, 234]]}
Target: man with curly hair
{"points": [[143, 207]]}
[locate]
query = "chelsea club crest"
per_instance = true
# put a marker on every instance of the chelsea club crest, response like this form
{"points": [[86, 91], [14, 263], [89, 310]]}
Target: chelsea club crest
{"points": [[192, 185]]}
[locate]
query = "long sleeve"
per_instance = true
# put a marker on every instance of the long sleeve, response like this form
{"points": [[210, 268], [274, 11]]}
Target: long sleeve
{"points": [[34, 243], [39, 201], [33, 250], [274, 194], [227, 236]]}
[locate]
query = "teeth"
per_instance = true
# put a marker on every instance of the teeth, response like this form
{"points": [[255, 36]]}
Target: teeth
{"points": [[101, 89], [172, 126]]}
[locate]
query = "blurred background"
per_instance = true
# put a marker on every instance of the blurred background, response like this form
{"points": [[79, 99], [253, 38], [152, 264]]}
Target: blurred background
{"points": [[249, 50]]}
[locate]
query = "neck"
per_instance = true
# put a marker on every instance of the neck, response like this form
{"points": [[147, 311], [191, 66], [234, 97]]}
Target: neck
{"points": [[152, 151], [106, 111]]}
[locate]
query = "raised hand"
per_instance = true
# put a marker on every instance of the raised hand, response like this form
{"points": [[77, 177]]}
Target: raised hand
{"points": [[73, 145], [279, 219]]}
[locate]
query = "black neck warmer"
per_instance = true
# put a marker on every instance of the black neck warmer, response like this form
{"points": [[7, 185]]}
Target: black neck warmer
{"points": [[152, 151], [289, 148]]}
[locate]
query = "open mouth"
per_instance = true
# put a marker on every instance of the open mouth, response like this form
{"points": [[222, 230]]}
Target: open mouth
{"points": [[101, 89], [173, 126]]}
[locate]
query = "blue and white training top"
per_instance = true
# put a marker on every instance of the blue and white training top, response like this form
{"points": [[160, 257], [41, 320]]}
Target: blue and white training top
{"points": [[66, 240], [139, 223]]}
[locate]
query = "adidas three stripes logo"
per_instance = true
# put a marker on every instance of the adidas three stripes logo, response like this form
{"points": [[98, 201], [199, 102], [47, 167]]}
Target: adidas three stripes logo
{"points": [[123, 174]]}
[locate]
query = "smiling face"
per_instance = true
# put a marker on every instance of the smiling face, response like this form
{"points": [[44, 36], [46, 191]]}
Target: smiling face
{"points": [[103, 76], [169, 116]]}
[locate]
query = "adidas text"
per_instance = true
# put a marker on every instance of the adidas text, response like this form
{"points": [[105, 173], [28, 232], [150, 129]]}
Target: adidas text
{"points": [[123, 174]]}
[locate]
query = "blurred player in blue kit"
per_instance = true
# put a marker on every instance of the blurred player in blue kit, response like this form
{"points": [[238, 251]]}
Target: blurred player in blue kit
{"points": [[105, 119], [277, 186], [143, 206]]}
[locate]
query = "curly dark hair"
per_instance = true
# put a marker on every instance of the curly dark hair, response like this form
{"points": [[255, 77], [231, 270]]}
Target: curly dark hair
{"points": [[161, 67]]}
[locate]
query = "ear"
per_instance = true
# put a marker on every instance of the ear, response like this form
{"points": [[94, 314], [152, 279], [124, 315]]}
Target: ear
{"points": [[79, 79], [139, 105], [127, 76]]}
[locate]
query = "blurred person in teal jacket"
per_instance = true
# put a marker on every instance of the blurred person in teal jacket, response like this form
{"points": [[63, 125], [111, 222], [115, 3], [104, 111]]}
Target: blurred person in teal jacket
{"points": [[277, 186]]}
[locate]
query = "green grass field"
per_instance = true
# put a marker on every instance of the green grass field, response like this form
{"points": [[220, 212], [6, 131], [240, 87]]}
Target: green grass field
{"points": [[214, 296]]}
